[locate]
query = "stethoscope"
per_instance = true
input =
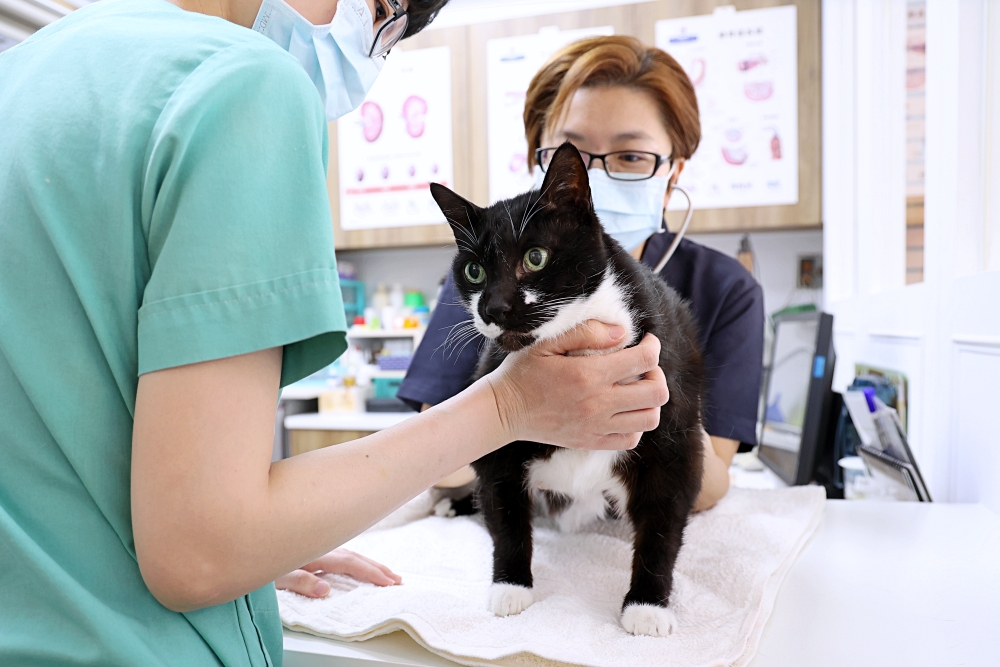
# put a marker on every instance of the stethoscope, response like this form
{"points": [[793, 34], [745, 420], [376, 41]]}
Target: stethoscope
{"points": [[680, 235]]}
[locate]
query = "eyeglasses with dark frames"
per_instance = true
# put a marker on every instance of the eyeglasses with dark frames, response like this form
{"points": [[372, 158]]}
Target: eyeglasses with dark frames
{"points": [[392, 30], [619, 165]]}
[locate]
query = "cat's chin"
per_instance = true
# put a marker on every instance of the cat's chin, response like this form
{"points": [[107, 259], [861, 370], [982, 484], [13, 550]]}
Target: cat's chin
{"points": [[512, 341]]}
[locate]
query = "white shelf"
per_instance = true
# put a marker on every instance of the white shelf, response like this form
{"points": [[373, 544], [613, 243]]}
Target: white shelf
{"points": [[345, 421], [360, 333], [305, 392]]}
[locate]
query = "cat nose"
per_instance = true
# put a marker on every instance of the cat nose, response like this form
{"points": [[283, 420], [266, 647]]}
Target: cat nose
{"points": [[496, 310]]}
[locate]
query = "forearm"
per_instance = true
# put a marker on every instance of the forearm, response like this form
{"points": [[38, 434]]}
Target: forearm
{"points": [[715, 475], [304, 506], [337, 492]]}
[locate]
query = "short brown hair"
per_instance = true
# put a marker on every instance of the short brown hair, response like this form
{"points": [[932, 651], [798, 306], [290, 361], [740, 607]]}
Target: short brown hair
{"points": [[613, 61]]}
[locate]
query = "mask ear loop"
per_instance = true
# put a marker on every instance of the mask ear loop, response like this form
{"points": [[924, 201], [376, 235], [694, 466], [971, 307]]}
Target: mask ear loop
{"points": [[680, 235]]}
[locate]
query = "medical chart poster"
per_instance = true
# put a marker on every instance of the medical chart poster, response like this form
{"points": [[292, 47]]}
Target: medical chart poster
{"points": [[744, 67], [511, 62], [397, 143]]}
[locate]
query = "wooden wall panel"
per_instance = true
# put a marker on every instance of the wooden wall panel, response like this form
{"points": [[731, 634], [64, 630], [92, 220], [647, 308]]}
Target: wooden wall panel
{"points": [[456, 39]]}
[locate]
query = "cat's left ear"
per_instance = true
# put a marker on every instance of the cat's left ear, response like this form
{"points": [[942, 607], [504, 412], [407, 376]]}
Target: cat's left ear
{"points": [[458, 211], [566, 183]]}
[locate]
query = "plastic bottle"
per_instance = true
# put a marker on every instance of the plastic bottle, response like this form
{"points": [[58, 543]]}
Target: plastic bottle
{"points": [[396, 297], [380, 299]]}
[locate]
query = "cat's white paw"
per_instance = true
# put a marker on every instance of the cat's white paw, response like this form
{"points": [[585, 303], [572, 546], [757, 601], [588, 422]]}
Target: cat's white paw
{"points": [[648, 619], [444, 508], [509, 599]]}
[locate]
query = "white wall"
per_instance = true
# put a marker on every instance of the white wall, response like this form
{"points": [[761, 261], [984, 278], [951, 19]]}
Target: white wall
{"points": [[945, 332], [777, 255]]}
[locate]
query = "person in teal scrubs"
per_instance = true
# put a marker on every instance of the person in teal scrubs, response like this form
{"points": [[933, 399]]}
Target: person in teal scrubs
{"points": [[166, 265]]}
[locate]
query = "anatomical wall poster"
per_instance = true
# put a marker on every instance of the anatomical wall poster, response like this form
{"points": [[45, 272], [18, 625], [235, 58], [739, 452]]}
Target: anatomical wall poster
{"points": [[397, 143], [744, 67], [511, 62]]}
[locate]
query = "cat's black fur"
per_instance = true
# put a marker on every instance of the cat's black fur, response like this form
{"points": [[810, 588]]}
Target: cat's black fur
{"points": [[662, 476]]}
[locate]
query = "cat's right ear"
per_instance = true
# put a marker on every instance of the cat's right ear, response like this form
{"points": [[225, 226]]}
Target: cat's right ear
{"points": [[458, 211]]}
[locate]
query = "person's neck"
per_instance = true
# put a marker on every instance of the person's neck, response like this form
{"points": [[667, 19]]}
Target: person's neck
{"points": [[240, 12]]}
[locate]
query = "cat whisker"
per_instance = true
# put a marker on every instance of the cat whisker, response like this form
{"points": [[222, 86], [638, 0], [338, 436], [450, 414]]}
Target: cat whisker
{"points": [[533, 209], [512, 230], [457, 333], [468, 340]]}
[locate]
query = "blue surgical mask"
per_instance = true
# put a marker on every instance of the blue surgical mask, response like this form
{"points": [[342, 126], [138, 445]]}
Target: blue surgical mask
{"points": [[335, 56], [630, 211]]}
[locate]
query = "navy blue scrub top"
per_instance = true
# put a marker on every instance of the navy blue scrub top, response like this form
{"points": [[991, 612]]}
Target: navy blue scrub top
{"points": [[727, 303]]}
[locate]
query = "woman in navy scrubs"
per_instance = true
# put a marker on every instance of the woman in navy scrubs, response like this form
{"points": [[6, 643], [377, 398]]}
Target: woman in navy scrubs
{"points": [[613, 95]]}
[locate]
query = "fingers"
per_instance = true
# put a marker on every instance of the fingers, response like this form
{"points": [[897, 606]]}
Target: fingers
{"points": [[636, 421], [649, 391], [303, 583], [591, 335], [396, 579], [617, 441], [633, 362], [363, 569]]}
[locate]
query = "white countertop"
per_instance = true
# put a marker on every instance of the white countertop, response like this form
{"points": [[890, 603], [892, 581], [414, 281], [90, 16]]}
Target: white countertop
{"points": [[880, 584]]}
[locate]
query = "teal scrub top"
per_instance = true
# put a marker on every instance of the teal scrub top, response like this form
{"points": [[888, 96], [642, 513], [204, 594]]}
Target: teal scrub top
{"points": [[162, 202]]}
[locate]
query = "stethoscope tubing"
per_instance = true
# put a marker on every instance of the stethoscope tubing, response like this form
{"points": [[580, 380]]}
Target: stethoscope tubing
{"points": [[680, 235]]}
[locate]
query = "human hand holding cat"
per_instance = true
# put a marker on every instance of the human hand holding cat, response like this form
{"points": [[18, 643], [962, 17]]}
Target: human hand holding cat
{"points": [[591, 410]]}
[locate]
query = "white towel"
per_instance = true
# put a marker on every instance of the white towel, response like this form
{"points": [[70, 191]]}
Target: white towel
{"points": [[727, 576]]}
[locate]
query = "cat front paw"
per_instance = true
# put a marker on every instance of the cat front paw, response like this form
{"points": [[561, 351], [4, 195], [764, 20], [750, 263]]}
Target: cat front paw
{"points": [[648, 619], [509, 599]]}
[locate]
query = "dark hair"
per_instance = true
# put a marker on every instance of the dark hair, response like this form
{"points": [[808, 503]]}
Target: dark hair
{"points": [[420, 13]]}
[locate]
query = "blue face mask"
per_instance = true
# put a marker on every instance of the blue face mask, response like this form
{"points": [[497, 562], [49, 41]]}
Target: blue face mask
{"points": [[630, 211], [335, 56]]}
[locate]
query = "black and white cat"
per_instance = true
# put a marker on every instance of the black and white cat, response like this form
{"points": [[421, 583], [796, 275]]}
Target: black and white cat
{"points": [[529, 269]]}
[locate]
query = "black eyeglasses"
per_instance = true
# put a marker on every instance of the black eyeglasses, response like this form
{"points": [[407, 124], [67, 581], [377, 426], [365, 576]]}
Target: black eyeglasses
{"points": [[619, 165], [392, 30]]}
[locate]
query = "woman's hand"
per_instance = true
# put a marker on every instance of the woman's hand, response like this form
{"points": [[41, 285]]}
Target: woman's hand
{"points": [[544, 395], [306, 580]]}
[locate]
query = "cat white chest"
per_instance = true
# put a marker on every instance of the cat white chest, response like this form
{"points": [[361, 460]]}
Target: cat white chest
{"points": [[584, 476]]}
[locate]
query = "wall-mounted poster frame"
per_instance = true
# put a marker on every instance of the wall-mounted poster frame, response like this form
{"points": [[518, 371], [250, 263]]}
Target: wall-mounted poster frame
{"points": [[435, 234], [807, 213]]}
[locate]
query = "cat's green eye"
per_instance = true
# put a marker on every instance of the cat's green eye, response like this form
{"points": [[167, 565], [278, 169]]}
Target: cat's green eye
{"points": [[474, 273], [536, 259]]}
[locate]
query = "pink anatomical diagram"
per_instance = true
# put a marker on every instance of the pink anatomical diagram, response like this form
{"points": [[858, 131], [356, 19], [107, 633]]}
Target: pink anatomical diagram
{"points": [[696, 71], [517, 162], [415, 115], [748, 64], [759, 90], [371, 116], [734, 155]]}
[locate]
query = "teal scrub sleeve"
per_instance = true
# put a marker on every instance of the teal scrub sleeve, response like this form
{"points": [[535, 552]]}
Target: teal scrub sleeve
{"points": [[237, 221]]}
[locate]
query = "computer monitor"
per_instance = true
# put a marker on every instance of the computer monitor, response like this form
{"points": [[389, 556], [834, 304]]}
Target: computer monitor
{"points": [[798, 395]]}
